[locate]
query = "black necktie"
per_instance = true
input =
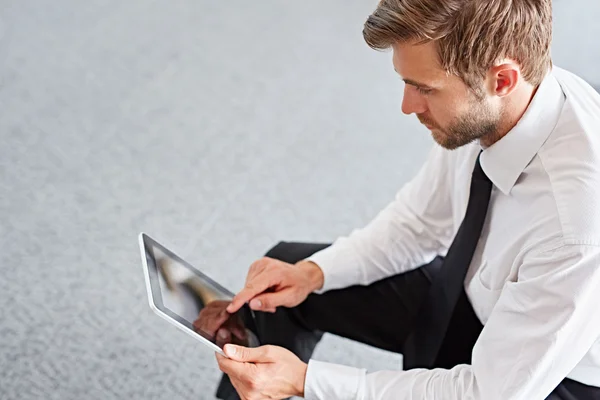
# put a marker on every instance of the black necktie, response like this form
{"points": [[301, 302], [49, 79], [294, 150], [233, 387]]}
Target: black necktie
{"points": [[434, 316]]}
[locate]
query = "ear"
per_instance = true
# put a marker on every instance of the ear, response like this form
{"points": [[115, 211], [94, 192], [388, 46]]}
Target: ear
{"points": [[505, 78]]}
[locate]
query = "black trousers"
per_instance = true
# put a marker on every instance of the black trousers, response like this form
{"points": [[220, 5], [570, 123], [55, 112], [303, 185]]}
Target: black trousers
{"points": [[380, 315]]}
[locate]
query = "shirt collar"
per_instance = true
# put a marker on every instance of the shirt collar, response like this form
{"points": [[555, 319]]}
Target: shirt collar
{"points": [[504, 161]]}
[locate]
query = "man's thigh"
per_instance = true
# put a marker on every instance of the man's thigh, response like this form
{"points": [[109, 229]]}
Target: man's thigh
{"points": [[573, 390], [380, 314]]}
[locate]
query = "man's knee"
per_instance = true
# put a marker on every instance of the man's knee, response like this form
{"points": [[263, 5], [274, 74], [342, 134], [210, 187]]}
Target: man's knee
{"points": [[292, 252], [278, 251]]}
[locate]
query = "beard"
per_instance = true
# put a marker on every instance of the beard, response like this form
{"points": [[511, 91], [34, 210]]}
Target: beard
{"points": [[479, 121]]}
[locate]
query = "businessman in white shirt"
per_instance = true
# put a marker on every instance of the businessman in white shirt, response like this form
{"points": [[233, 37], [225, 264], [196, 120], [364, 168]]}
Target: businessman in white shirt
{"points": [[484, 272]]}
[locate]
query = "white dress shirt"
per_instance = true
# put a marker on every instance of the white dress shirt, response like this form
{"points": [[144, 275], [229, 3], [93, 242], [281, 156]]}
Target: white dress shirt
{"points": [[534, 281]]}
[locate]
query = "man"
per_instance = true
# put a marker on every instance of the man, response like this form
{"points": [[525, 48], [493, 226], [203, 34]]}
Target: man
{"points": [[484, 272]]}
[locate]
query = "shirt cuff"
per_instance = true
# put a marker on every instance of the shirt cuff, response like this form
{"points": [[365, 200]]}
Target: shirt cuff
{"points": [[325, 381], [338, 264]]}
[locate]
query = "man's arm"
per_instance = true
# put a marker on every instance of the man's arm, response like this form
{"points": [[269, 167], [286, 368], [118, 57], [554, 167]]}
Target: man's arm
{"points": [[540, 329], [411, 231]]}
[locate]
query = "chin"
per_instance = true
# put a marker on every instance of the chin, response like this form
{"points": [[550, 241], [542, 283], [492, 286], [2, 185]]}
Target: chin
{"points": [[438, 136], [443, 140]]}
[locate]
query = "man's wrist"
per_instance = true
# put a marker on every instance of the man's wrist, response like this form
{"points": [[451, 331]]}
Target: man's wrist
{"points": [[302, 380], [315, 274]]}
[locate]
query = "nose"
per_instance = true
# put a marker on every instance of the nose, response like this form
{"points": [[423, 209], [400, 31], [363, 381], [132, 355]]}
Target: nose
{"points": [[413, 101]]}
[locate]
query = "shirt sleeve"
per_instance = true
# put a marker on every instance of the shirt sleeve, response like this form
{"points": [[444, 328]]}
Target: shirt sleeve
{"points": [[411, 231], [540, 329]]}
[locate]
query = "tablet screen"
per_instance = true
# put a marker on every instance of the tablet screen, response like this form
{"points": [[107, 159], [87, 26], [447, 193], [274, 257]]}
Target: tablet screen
{"points": [[194, 300]]}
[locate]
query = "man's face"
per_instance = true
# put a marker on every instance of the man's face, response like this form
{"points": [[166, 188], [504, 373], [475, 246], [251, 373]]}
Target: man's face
{"points": [[453, 113]]}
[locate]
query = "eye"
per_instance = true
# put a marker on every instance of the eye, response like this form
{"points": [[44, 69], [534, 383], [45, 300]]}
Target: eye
{"points": [[424, 92]]}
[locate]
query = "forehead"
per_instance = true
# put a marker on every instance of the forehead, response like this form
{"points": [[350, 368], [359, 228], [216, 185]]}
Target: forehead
{"points": [[419, 62]]}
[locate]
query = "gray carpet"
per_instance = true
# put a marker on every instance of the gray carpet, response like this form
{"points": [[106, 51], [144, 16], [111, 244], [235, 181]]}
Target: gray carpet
{"points": [[217, 127]]}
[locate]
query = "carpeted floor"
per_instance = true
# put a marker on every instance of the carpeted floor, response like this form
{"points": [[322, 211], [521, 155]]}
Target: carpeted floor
{"points": [[217, 127]]}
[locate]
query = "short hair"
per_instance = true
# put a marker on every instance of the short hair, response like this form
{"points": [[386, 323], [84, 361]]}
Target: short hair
{"points": [[470, 35]]}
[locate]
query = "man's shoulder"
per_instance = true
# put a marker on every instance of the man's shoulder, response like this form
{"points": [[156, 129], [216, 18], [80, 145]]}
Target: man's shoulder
{"points": [[582, 101], [571, 158], [574, 143]]}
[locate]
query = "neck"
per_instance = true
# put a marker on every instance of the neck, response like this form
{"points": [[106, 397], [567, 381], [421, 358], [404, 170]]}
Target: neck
{"points": [[512, 112]]}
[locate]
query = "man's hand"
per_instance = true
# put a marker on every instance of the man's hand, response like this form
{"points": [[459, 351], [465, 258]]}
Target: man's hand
{"points": [[267, 372], [272, 283]]}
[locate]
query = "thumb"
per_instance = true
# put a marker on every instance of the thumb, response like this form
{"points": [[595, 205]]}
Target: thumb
{"points": [[247, 354]]}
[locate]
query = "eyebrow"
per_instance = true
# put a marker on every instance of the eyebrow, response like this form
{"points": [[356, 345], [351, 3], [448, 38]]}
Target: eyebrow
{"points": [[414, 83], [417, 84]]}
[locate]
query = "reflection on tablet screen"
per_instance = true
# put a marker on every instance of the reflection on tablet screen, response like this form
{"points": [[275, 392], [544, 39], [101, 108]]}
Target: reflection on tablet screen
{"points": [[198, 302]]}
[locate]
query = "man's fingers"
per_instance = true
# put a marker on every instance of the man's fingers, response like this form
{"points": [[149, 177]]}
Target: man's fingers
{"points": [[257, 267], [270, 301], [246, 294], [230, 367], [256, 286], [238, 386], [237, 372], [246, 354]]}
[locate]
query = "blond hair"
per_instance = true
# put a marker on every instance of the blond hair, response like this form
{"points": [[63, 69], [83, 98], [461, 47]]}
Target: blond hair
{"points": [[470, 35]]}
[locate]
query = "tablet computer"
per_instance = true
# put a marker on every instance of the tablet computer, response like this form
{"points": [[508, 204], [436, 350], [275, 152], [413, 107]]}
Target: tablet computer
{"points": [[191, 301]]}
